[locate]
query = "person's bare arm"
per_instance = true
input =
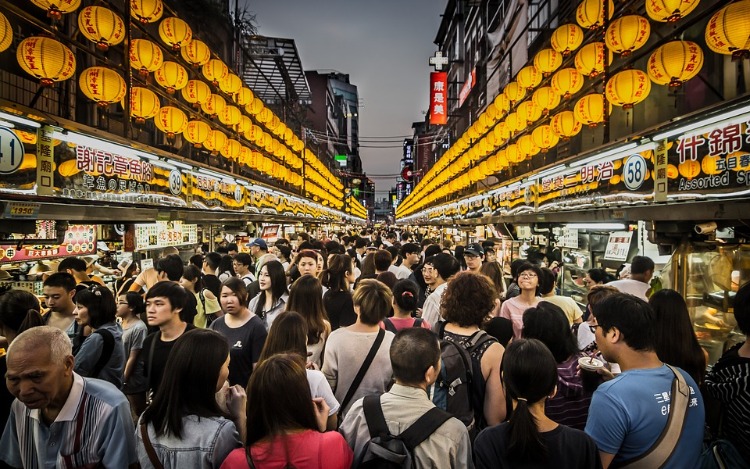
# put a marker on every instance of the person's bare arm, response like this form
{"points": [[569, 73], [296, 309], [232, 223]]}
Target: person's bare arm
{"points": [[606, 459], [494, 395], [130, 364]]}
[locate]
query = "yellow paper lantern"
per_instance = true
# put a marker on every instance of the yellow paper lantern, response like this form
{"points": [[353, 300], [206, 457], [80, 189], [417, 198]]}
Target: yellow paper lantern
{"points": [[529, 77], [171, 76], [513, 153], [246, 155], [515, 123], [196, 92], [501, 132], [672, 171], [244, 96], [567, 38], [46, 59], [502, 104], [145, 56], [592, 59], [214, 105], [215, 141], [628, 88], [589, 110], [28, 138], [244, 124], [196, 53], [144, 104], [546, 99], [175, 32], [102, 85], [709, 164], [627, 33], [215, 70], [171, 121], [102, 26], [529, 111], [514, 92], [689, 169], [255, 106], [230, 84], [547, 61], [728, 30], [57, 8], [544, 137], [674, 63], [231, 149], [6, 33], [146, 11], [526, 147], [196, 132], [265, 116], [230, 115], [566, 82], [669, 10], [590, 13], [565, 124]]}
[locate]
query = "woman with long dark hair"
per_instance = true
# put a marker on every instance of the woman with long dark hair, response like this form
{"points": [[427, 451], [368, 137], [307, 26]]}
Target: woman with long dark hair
{"points": [[288, 428], [530, 438], [226, 269], [306, 298], [130, 307], [102, 354], [273, 296], [207, 305], [184, 426], [405, 297], [338, 278], [676, 343]]}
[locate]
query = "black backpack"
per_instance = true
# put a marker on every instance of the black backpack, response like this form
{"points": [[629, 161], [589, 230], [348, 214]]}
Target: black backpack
{"points": [[389, 326], [385, 450], [459, 389]]}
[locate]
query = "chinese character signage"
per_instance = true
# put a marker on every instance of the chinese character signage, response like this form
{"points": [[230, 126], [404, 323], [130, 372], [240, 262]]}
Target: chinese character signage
{"points": [[618, 246], [438, 98], [79, 240], [468, 85], [164, 233], [211, 192]]}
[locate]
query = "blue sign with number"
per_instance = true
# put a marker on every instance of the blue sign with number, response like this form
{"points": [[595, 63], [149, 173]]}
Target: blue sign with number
{"points": [[11, 151]]}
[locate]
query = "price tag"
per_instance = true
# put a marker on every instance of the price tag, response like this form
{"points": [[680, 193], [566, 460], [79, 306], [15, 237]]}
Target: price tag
{"points": [[618, 246], [18, 210], [11, 151]]}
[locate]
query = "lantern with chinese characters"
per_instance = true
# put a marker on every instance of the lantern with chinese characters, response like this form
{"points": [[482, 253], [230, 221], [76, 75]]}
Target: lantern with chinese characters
{"points": [[501, 133], [231, 149], [6, 33], [57, 8], [547, 61], [102, 26], [230, 84], [502, 104], [230, 115], [196, 53], [244, 125], [674, 63], [529, 77], [246, 155], [669, 10], [244, 96], [215, 141], [529, 111], [102, 85], [144, 104], [566, 39], [567, 82], [628, 88], [265, 116], [689, 169], [171, 121], [589, 110], [592, 58], [527, 147], [627, 33], [196, 132], [214, 105], [146, 11], [145, 56], [544, 137], [171, 76], [590, 13], [215, 70], [565, 124], [46, 59], [728, 30], [515, 123], [196, 93], [514, 92], [175, 32], [546, 98], [513, 153]]}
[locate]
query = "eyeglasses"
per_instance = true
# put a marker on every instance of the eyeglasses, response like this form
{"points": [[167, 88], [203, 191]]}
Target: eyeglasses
{"points": [[428, 269], [593, 328], [527, 276]]}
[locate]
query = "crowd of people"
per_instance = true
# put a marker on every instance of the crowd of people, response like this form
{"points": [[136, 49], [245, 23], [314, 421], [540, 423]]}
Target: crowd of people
{"points": [[354, 351]]}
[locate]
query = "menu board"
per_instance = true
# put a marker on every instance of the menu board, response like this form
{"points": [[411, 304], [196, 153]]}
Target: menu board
{"points": [[618, 246], [164, 233], [79, 240]]}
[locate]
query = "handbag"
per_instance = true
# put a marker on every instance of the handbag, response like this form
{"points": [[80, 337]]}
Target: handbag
{"points": [[665, 445], [150, 448], [361, 373]]}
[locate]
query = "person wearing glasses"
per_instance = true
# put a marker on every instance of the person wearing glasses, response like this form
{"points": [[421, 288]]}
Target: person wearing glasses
{"points": [[514, 308], [437, 271]]}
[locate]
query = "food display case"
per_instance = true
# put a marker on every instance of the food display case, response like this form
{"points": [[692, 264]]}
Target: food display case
{"points": [[708, 276]]}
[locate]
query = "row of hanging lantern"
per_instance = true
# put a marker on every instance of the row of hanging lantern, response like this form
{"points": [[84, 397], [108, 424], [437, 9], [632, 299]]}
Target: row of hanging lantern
{"points": [[51, 61], [522, 102]]}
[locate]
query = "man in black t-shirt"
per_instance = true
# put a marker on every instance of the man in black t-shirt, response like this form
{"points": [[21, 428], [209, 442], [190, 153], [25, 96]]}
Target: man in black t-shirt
{"points": [[164, 302]]}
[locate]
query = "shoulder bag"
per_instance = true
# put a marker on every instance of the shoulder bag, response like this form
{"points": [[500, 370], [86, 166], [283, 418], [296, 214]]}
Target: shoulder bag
{"points": [[361, 373], [150, 448]]}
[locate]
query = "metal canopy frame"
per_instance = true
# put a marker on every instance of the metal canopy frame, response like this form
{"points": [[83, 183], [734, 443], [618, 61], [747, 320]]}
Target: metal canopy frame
{"points": [[273, 70]]}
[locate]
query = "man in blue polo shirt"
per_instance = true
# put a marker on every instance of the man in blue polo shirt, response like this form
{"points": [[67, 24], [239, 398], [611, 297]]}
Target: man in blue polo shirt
{"points": [[627, 414], [60, 419]]}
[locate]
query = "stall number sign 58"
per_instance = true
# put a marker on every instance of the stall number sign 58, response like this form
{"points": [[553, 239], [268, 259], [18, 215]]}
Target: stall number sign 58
{"points": [[11, 151], [634, 172]]}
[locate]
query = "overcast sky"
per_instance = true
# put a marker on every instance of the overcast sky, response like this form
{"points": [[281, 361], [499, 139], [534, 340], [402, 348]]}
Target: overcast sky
{"points": [[384, 46]]}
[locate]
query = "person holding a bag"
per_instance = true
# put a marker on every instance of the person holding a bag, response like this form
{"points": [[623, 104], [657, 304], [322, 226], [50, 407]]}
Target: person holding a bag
{"points": [[206, 303]]}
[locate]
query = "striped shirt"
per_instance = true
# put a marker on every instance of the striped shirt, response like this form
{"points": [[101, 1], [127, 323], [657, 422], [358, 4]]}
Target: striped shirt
{"points": [[94, 429], [570, 405]]}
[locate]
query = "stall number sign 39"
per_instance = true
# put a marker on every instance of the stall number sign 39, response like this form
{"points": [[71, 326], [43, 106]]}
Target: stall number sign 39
{"points": [[634, 172], [11, 151]]}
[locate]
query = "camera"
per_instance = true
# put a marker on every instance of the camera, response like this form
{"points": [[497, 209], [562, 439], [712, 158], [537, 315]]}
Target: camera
{"points": [[705, 228]]}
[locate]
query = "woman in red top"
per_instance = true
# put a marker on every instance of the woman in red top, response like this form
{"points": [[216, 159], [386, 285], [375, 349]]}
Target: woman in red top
{"points": [[288, 428]]}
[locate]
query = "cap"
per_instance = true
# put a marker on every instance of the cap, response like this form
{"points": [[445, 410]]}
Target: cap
{"points": [[372, 247], [260, 243], [89, 259], [474, 249], [124, 265], [102, 246]]}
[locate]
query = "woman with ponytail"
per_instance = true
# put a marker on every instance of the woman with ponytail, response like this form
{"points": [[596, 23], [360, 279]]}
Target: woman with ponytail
{"points": [[530, 438], [405, 297], [338, 279]]}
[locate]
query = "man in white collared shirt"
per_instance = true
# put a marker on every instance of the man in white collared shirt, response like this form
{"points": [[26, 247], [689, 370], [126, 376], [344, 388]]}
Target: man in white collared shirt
{"points": [[437, 272], [60, 419]]}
